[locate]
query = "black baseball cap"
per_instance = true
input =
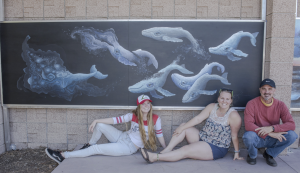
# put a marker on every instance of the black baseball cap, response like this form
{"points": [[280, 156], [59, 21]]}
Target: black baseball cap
{"points": [[268, 82]]}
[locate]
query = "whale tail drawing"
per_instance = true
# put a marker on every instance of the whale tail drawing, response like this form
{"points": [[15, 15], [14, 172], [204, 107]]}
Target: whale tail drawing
{"points": [[253, 39], [225, 80], [98, 74]]}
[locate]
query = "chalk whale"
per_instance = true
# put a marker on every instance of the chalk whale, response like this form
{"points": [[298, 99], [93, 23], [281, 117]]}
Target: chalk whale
{"points": [[157, 81], [229, 47], [185, 83], [295, 96], [96, 41], [45, 73], [172, 35], [198, 87]]}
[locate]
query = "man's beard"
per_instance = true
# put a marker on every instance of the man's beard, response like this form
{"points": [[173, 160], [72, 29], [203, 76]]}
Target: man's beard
{"points": [[267, 97]]}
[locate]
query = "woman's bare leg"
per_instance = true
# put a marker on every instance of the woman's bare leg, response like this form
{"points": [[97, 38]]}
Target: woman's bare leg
{"points": [[198, 150], [191, 134]]}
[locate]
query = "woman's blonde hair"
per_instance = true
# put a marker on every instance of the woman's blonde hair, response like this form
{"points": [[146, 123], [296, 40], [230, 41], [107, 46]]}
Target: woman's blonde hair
{"points": [[151, 143]]}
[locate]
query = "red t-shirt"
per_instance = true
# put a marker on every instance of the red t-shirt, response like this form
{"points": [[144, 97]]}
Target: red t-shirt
{"points": [[258, 115]]}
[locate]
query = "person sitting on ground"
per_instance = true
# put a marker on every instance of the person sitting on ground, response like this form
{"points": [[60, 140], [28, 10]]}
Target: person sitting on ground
{"points": [[144, 127], [262, 123], [212, 142]]}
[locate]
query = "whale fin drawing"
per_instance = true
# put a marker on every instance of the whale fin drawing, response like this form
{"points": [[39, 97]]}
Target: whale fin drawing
{"points": [[171, 39], [98, 74], [253, 40], [225, 80], [165, 92], [155, 95], [239, 53], [233, 58], [184, 70], [125, 61], [206, 92]]}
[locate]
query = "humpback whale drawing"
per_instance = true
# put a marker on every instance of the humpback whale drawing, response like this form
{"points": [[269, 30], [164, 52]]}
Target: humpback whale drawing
{"points": [[229, 47], [96, 41], [157, 81], [295, 96], [198, 87], [185, 83], [46, 74], [172, 35]]}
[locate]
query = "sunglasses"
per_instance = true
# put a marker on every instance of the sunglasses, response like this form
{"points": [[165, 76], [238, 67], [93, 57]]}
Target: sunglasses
{"points": [[226, 89]]}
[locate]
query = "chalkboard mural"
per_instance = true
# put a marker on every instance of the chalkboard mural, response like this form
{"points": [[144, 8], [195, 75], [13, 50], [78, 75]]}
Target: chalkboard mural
{"points": [[177, 63], [295, 101]]}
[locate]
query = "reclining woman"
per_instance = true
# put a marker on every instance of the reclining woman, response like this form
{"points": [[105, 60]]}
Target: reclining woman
{"points": [[144, 127], [212, 142]]}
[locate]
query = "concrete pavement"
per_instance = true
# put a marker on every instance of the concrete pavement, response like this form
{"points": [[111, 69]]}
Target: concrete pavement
{"points": [[136, 164]]}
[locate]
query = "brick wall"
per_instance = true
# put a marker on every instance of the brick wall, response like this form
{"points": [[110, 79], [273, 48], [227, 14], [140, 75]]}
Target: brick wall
{"points": [[65, 128]]}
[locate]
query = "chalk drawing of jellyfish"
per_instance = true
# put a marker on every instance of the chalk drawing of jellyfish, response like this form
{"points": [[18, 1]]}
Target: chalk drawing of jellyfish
{"points": [[174, 35], [229, 47], [96, 41], [45, 73]]}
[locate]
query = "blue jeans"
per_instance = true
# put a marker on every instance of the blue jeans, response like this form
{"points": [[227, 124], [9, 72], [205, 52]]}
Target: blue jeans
{"points": [[274, 146]]}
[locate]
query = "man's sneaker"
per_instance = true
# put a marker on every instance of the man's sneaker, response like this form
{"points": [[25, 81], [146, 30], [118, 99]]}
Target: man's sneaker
{"points": [[86, 145], [251, 161], [54, 155], [269, 159]]}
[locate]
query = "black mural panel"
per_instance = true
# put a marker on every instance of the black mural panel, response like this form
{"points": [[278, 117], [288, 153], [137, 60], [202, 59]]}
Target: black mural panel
{"points": [[176, 63]]}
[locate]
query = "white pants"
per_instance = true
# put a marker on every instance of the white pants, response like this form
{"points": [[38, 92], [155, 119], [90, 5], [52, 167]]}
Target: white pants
{"points": [[120, 145]]}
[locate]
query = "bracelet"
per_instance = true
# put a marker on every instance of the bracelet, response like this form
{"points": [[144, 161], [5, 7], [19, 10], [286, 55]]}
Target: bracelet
{"points": [[237, 151]]}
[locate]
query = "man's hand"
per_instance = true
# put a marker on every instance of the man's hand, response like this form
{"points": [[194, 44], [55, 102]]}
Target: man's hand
{"points": [[264, 130], [278, 135]]}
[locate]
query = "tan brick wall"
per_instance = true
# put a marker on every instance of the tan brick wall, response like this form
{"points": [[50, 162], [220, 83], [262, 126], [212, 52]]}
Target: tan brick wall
{"points": [[130, 9], [65, 128]]}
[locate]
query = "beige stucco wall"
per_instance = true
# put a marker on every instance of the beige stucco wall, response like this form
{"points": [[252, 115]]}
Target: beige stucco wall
{"points": [[65, 128]]}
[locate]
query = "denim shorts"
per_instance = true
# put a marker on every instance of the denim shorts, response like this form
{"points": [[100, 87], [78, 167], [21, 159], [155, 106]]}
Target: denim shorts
{"points": [[218, 152]]}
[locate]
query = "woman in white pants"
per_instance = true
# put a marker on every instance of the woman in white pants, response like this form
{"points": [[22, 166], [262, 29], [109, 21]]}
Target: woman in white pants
{"points": [[144, 127]]}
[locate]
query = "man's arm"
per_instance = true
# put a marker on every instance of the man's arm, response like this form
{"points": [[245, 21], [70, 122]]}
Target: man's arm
{"points": [[287, 120]]}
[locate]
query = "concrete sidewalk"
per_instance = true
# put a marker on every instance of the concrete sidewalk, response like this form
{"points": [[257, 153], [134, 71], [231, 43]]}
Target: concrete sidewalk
{"points": [[136, 164]]}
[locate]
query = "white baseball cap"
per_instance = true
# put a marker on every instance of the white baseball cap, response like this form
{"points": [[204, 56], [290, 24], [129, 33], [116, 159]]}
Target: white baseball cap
{"points": [[142, 98]]}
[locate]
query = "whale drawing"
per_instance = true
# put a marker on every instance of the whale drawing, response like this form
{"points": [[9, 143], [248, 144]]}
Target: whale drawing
{"points": [[172, 35], [146, 54], [229, 47], [295, 96], [45, 73], [198, 87], [185, 83], [96, 41], [157, 81]]}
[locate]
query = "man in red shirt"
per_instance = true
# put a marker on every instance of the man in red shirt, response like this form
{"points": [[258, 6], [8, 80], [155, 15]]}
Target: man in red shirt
{"points": [[262, 123]]}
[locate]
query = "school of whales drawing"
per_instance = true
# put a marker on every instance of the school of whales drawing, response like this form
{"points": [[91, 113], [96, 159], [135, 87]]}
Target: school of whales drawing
{"points": [[45, 72]]}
